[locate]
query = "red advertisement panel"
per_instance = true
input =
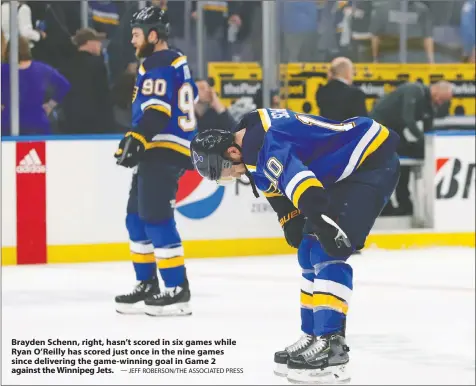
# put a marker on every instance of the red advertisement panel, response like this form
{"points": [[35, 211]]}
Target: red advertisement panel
{"points": [[31, 202]]}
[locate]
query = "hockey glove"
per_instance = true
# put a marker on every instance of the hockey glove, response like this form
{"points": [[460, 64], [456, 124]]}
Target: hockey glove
{"points": [[293, 224], [333, 239], [130, 150]]}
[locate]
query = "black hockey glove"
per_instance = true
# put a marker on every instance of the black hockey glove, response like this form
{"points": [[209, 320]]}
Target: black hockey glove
{"points": [[293, 224], [130, 150], [332, 238]]}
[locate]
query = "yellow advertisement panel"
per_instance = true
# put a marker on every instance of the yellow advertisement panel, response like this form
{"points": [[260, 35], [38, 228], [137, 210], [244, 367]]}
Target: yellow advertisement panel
{"points": [[235, 80], [300, 82]]}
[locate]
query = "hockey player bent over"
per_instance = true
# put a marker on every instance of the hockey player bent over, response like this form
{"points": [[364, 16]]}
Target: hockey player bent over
{"points": [[159, 145], [339, 175]]}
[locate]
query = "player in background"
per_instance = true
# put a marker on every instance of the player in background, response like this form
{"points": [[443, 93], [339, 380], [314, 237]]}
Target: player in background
{"points": [[339, 175], [158, 147]]}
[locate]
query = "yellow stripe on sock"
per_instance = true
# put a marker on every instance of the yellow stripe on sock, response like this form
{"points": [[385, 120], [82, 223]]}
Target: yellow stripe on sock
{"points": [[330, 301], [306, 300], [171, 263], [143, 257]]}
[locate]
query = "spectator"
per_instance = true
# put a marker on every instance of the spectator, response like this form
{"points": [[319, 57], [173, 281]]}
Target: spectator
{"points": [[176, 13], [468, 17], [209, 110], [235, 30], [299, 26], [105, 15], [275, 100], [218, 17], [338, 99], [88, 107], [25, 24], [245, 31], [330, 22], [359, 25], [60, 19], [402, 110], [120, 50], [36, 82], [386, 22], [122, 101]]}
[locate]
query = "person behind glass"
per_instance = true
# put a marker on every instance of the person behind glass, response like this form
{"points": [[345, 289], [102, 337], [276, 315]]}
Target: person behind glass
{"points": [[338, 99], [384, 24], [410, 110], [122, 90], [121, 54], [222, 22], [88, 107], [275, 99], [37, 81], [59, 20], [209, 110], [468, 17], [24, 22]]}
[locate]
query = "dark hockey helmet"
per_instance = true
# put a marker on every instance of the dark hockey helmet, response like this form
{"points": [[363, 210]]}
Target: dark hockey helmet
{"points": [[207, 151], [152, 19]]}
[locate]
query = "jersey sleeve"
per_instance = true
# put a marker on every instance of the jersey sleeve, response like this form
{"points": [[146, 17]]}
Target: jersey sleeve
{"points": [[287, 173]]}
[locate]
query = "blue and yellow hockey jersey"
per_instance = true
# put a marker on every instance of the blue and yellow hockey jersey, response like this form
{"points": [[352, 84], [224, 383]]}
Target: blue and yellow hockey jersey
{"points": [[289, 152], [164, 84]]}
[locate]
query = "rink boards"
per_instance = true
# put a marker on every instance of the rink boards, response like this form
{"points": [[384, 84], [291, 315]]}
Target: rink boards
{"points": [[64, 200]]}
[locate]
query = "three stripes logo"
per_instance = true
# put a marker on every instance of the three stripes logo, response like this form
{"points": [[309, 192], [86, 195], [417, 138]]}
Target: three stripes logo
{"points": [[31, 163]]}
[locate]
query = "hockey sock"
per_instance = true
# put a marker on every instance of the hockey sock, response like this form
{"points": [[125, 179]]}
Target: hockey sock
{"points": [[332, 290], [168, 250], [142, 250], [307, 281]]}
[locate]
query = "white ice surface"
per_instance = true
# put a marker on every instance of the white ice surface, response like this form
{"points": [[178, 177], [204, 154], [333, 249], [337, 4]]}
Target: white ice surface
{"points": [[411, 321]]}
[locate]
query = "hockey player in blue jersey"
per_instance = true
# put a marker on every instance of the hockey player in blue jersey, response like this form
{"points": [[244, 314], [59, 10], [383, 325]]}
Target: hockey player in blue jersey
{"points": [[337, 176], [158, 147]]}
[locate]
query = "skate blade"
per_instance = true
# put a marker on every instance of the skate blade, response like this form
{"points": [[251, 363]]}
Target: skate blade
{"points": [[130, 309], [281, 369], [335, 375], [179, 309]]}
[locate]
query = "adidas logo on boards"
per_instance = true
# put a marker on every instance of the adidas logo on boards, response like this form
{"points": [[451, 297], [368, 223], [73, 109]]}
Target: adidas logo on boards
{"points": [[31, 163]]}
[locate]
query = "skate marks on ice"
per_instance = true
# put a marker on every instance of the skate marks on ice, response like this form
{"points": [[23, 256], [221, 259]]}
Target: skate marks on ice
{"points": [[387, 341], [15, 298], [401, 348]]}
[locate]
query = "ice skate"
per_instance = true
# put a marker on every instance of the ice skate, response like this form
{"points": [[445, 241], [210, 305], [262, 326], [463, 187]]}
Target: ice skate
{"points": [[281, 357], [324, 362], [133, 303], [174, 301]]}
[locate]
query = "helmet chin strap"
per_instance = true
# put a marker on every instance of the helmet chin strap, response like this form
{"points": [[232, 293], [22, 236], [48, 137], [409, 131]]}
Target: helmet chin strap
{"points": [[252, 182], [247, 172]]}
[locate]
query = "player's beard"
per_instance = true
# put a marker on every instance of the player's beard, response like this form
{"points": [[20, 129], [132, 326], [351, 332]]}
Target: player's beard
{"points": [[145, 50]]}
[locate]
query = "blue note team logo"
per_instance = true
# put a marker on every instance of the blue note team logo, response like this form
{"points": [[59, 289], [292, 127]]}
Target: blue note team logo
{"points": [[200, 207], [197, 158]]}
